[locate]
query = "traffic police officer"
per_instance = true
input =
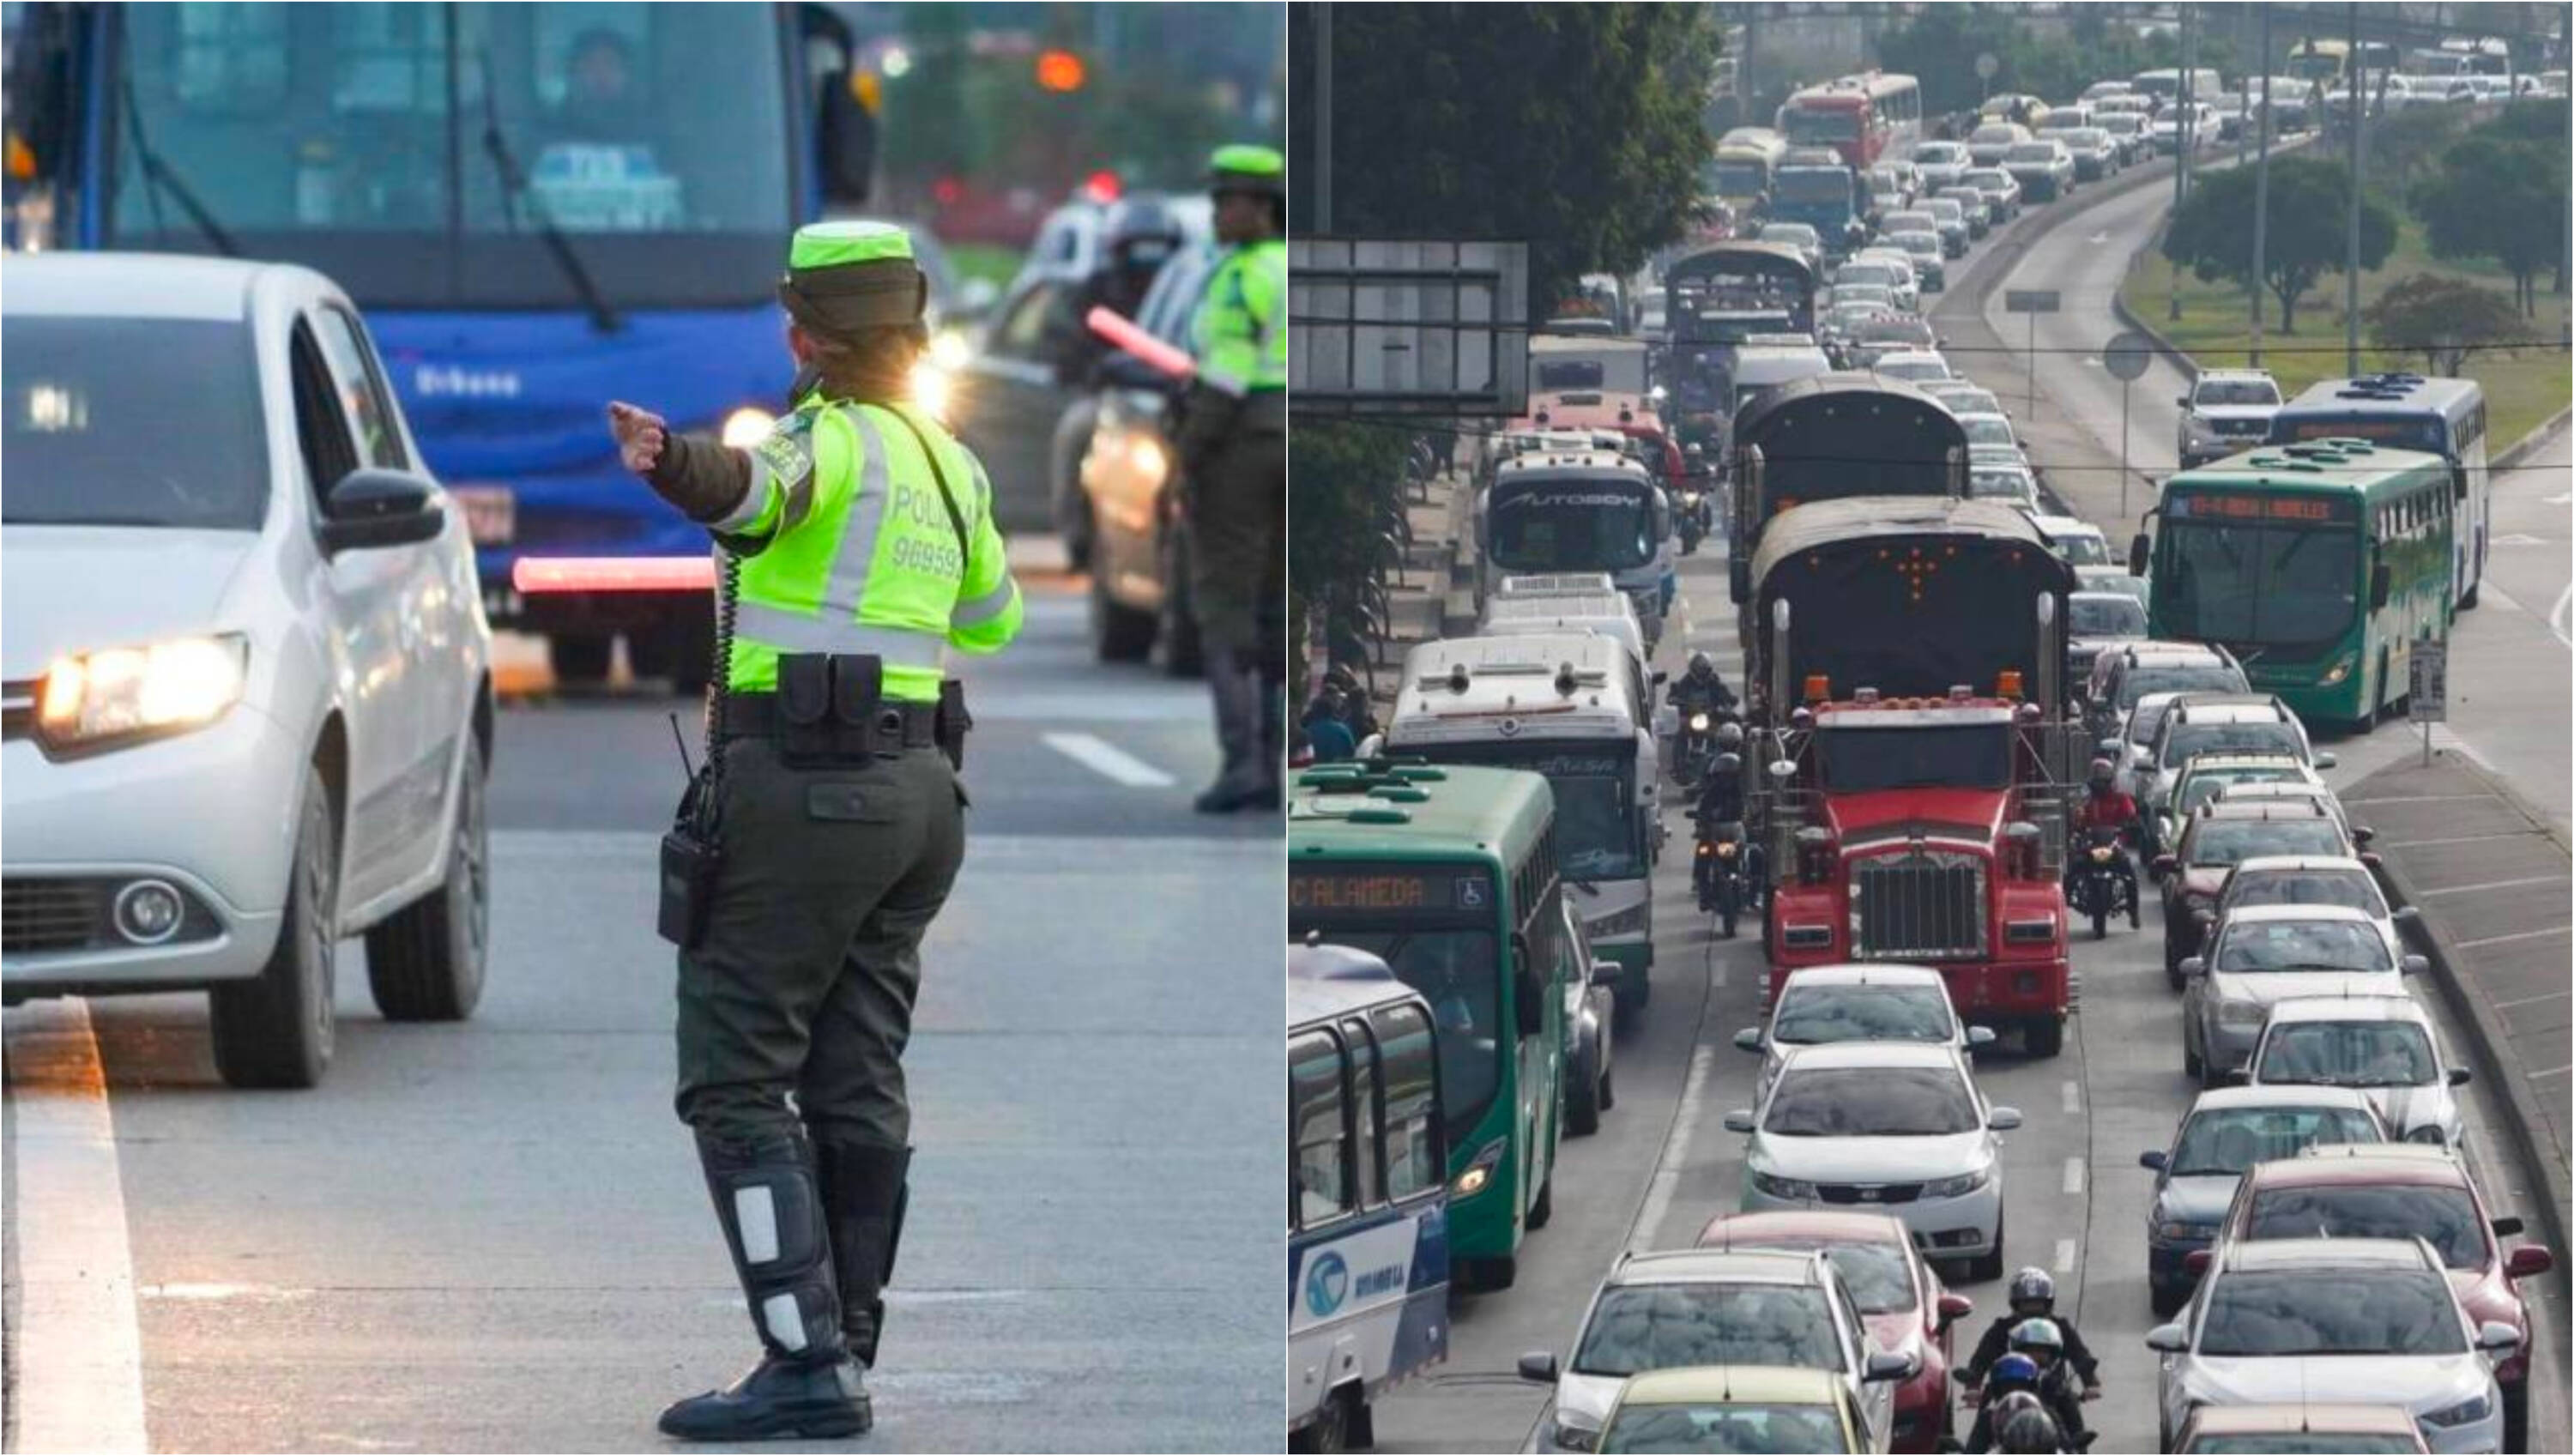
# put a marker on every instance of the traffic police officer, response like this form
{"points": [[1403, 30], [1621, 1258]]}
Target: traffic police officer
{"points": [[1233, 455], [862, 540]]}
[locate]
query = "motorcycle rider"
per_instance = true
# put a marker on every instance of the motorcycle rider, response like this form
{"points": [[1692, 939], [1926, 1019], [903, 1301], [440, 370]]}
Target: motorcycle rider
{"points": [[2013, 1375], [2111, 809], [2026, 1427], [1700, 690], [2042, 1341], [2033, 1296]]}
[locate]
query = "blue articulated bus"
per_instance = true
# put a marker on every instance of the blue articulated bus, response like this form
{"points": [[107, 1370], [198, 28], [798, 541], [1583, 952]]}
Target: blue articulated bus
{"points": [[540, 208]]}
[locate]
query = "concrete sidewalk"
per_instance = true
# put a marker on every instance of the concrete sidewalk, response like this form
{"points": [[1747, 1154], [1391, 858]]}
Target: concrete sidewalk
{"points": [[2492, 883]]}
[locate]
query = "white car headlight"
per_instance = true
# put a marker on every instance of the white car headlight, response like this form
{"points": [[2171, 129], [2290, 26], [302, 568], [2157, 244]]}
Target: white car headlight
{"points": [[1960, 1186], [1778, 1187], [931, 387], [2465, 1413], [1570, 1437], [950, 350], [744, 427], [2240, 1013], [127, 694]]}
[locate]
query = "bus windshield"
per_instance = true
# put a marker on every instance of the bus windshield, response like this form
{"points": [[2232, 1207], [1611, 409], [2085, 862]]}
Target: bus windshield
{"points": [[1823, 124], [1739, 178], [1595, 815], [2294, 588], [1459, 975], [1813, 184], [379, 142], [1572, 526]]}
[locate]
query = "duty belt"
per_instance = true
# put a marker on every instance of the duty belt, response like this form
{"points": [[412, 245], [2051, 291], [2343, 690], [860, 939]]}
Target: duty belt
{"points": [[897, 726]]}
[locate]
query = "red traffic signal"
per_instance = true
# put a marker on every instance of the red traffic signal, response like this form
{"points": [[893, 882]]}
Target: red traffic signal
{"points": [[1060, 71]]}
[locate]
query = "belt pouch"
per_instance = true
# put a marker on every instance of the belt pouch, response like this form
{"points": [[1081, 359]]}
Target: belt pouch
{"points": [[953, 720], [805, 737], [858, 696]]}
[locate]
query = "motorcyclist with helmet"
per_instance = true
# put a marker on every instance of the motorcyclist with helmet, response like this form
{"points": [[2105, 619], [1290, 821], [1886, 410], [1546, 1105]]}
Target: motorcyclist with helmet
{"points": [[2033, 1296], [2109, 810], [1700, 690], [2042, 1341]]}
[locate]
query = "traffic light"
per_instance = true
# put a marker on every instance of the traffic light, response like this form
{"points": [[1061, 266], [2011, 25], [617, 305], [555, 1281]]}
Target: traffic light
{"points": [[1061, 70]]}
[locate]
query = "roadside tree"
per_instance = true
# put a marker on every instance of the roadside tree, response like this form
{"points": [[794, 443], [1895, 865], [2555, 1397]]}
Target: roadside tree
{"points": [[2443, 319], [2211, 234]]}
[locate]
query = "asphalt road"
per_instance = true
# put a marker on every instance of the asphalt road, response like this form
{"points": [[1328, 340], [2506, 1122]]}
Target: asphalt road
{"points": [[2076, 1198], [493, 1237]]}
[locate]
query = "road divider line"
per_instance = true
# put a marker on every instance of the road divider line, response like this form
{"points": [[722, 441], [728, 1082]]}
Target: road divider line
{"points": [[80, 1347], [2065, 1251], [2455, 840], [2072, 1099], [2532, 1000], [2507, 939], [1098, 755], [2074, 1177], [2424, 895], [1666, 1176]]}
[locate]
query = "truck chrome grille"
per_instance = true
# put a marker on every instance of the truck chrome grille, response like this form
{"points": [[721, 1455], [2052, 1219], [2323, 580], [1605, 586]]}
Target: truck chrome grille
{"points": [[1926, 904]]}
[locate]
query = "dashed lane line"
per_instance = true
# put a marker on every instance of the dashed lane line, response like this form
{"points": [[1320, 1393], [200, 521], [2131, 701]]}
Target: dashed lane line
{"points": [[79, 1382], [1667, 1177], [2064, 1253], [2522, 935], [2072, 1099], [2423, 895], [2074, 1177], [1099, 755]]}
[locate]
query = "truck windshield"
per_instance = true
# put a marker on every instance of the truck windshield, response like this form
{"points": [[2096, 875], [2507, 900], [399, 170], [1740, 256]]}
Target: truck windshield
{"points": [[72, 399], [1961, 755], [1572, 526], [1813, 184], [371, 141], [2295, 588]]}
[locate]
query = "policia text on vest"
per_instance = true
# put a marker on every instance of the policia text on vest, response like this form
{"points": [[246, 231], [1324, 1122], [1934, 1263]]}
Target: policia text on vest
{"points": [[859, 547]]}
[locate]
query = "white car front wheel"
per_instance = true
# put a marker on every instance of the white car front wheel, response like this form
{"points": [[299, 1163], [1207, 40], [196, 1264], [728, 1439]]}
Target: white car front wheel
{"points": [[277, 1029], [426, 963]]}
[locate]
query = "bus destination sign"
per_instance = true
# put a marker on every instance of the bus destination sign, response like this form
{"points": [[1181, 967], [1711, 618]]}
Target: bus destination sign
{"points": [[2247, 506], [1370, 891]]}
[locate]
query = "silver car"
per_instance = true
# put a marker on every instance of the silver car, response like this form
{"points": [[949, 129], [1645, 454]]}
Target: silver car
{"points": [[2264, 954], [248, 699]]}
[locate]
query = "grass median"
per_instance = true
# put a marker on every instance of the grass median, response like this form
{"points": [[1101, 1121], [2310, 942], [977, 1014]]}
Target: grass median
{"points": [[2523, 387]]}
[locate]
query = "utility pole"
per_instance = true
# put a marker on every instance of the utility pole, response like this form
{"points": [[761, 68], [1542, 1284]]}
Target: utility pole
{"points": [[2261, 192], [2350, 257], [1323, 119], [2182, 133]]}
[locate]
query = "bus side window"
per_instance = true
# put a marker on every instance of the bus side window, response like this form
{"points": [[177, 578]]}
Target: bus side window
{"points": [[1367, 1111], [1414, 1160], [1314, 1106]]}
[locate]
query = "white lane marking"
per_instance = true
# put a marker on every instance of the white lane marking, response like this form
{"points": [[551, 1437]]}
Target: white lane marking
{"points": [[2560, 618], [2064, 1256], [2532, 1000], [1715, 978], [1095, 753], [2072, 1099], [2553, 1071], [2458, 839], [2522, 935], [80, 1349], [2423, 895], [2517, 538], [1667, 1177], [2074, 1176]]}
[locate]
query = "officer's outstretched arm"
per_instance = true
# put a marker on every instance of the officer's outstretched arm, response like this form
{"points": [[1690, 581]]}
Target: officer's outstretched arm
{"points": [[987, 610]]}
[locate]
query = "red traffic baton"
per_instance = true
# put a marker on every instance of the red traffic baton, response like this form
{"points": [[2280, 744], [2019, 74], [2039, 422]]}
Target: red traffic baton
{"points": [[534, 576], [1121, 331]]}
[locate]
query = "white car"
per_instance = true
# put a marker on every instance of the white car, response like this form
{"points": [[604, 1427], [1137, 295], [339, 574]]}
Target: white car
{"points": [[2078, 541], [2343, 1321], [2310, 880], [2381, 1046], [1989, 426], [1890, 1124], [2227, 410], [249, 702], [1908, 279], [1874, 1001], [1877, 273], [1913, 366], [1681, 1308], [2264, 954], [1941, 164]]}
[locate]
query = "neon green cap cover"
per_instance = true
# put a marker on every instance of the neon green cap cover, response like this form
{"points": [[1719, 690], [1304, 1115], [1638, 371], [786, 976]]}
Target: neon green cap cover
{"points": [[1243, 159], [838, 244]]}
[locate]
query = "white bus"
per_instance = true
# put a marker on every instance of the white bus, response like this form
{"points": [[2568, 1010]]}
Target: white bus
{"points": [[1575, 510], [1367, 1211], [1564, 706], [2443, 417]]}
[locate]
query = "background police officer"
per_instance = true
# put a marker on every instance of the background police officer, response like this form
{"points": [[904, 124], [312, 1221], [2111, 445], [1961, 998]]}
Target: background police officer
{"points": [[1233, 453], [861, 535]]}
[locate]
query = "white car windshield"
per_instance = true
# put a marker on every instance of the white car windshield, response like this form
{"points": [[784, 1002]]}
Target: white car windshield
{"points": [[1873, 1101], [2232, 1139], [1864, 1013], [2265, 945], [1640, 1327], [2444, 1214], [2291, 1312], [2235, 392], [2347, 1054], [1988, 430], [2350, 888], [2230, 842], [82, 385]]}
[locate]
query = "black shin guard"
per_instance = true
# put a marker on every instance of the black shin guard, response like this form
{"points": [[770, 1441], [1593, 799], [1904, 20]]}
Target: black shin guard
{"points": [[769, 1202], [865, 1189]]}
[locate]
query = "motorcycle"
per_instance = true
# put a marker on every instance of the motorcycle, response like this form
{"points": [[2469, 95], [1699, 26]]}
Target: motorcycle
{"points": [[1693, 522], [1723, 871], [2096, 888], [1694, 747]]}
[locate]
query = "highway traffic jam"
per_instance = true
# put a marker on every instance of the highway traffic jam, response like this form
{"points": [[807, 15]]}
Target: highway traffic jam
{"points": [[1854, 956]]}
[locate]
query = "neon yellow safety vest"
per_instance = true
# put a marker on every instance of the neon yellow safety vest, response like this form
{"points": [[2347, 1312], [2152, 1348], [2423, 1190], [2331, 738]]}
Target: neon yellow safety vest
{"points": [[1241, 329], [861, 555]]}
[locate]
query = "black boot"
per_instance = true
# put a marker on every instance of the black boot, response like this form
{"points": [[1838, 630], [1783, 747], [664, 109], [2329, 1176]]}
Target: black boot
{"points": [[1233, 682], [865, 1190], [805, 1385]]}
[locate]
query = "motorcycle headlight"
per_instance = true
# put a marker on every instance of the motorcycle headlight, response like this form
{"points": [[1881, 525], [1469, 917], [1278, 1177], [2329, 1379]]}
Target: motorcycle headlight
{"points": [[1705, 850], [1778, 1187], [2100, 853], [2339, 670], [1689, 497], [1726, 849], [1698, 722], [2465, 1413], [2240, 1013], [933, 388], [128, 695], [744, 427], [1959, 1187]]}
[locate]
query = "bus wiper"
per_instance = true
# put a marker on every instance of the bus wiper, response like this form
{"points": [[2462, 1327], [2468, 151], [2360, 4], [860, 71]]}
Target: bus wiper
{"points": [[514, 184], [161, 178]]}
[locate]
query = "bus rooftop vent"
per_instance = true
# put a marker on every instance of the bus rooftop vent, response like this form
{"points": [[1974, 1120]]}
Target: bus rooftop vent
{"points": [[1380, 817], [1395, 794]]}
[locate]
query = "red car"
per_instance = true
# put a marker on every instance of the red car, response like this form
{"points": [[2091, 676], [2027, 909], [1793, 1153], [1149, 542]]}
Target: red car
{"points": [[2404, 1190], [1907, 1308]]}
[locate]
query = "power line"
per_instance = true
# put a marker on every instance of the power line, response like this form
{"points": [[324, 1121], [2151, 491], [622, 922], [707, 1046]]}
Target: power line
{"points": [[1541, 331]]}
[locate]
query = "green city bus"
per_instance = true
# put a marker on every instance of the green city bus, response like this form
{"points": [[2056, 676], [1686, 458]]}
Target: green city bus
{"points": [[1448, 876], [2319, 565]]}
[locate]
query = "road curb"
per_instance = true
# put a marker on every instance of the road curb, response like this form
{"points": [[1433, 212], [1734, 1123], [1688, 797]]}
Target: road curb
{"points": [[2490, 1043], [2530, 444], [2168, 349]]}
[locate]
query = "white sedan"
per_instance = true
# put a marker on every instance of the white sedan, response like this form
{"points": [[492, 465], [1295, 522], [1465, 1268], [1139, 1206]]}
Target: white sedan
{"points": [[249, 702], [1891, 1126], [1870, 1001], [2264, 954]]}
